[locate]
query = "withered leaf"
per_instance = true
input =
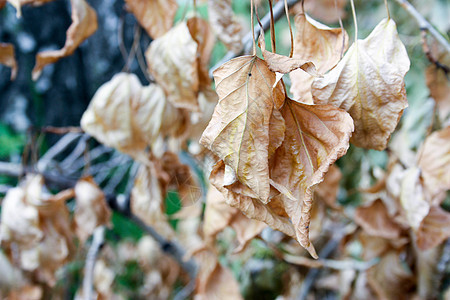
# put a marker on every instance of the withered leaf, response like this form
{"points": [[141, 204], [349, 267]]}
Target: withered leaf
{"points": [[316, 136], [147, 197], [129, 117], [84, 24], [369, 83], [19, 3], [375, 220], [172, 60], [320, 44], [91, 208], [284, 64], [328, 11], [239, 129], [434, 229], [155, 16], [8, 59], [225, 25], [434, 161]]}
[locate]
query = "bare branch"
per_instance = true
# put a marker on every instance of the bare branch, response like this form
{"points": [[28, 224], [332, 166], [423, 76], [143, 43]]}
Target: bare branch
{"points": [[424, 24], [97, 242]]}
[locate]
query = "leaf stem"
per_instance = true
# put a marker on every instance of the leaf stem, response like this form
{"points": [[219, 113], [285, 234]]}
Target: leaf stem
{"points": [[286, 9], [253, 25], [387, 9], [354, 20], [272, 28]]}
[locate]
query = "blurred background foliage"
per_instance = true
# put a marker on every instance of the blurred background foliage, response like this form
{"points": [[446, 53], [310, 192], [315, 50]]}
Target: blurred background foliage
{"points": [[62, 93]]}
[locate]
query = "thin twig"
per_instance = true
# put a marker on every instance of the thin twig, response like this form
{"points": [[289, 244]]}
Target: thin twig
{"points": [[278, 12], [424, 24], [98, 238]]}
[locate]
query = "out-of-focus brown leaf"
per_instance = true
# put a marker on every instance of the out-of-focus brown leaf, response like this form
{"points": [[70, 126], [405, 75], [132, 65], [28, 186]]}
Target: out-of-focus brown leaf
{"points": [[427, 262], [434, 229], [2, 4], [19, 3], [437, 81], [375, 220], [315, 42], [435, 161], [327, 190], [213, 280], [28, 292], [203, 36], [37, 225], [172, 60], [390, 278], [239, 129], [155, 16], [181, 178], [8, 59], [147, 197], [316, 136], [84, 24], [225, 25], [369, 83], [91, 208], [246, 229], [328, 11], [412, 198], [129, 117]]}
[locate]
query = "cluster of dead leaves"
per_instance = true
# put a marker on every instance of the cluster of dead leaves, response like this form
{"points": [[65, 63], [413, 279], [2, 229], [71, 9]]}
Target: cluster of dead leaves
{"points": [[37, 232], [84, 24]]}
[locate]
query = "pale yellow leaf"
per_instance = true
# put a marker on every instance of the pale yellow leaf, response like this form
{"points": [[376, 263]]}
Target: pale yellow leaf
{"points": [[369, 83], [155, 16], [84, 24], [172, 60]]}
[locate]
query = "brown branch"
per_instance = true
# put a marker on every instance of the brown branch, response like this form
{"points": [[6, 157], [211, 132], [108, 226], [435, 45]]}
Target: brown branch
{"points": [[426, 49]]}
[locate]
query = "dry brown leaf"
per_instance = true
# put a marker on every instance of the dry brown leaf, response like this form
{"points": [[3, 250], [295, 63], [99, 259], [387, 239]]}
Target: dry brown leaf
{"points": [[181, 179], [213, 280], [391, 278], [434, 229], [434, 161], [28, 292], [203, 36], [91, 209], [412, 198], [155, 16], [84, 24], [328, 11], [273, 213], [8, 59], [172, 60], [284, 64], [225, 25], [2, 4], [37, 225], [124, 115], [375, 220], [369, 83], [239, 129], [316, 136], [322, 45], [327, 190], [148, 195], [19, 3]]}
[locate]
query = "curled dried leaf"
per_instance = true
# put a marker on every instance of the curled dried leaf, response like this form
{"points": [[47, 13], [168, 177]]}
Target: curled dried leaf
{"points": [[91, 209], [8, 59], [369, 83], [84, 24], [172, 60], [155, 16], [316, 136], [320, 44], [225, 25], [239, 129]]}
